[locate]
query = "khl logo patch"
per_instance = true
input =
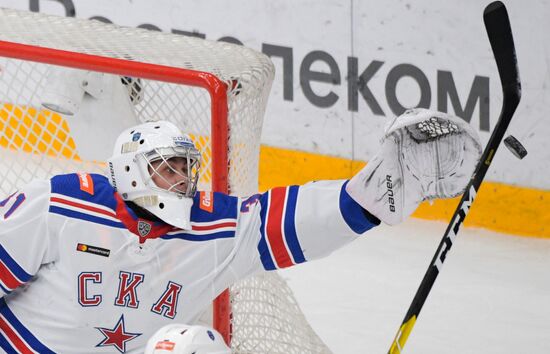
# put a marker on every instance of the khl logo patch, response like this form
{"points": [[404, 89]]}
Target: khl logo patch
{"points": [[143, 228]]}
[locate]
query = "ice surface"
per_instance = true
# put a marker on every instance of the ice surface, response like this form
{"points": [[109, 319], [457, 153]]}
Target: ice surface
{"points": [[492, 296]]}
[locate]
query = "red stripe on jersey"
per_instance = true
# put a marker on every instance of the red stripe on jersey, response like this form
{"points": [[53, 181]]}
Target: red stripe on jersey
{"points": [[8, 278], [274, 228], [14, 338], [214, 226], [82, 206]]}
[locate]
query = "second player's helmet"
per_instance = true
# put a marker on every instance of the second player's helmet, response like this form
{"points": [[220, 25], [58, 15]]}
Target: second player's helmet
{"points": [[184, 339], [144, 154]]}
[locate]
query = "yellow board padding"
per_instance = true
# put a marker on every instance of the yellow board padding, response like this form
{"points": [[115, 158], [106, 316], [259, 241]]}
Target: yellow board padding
{"points": [[498, 207], [282, 167], [35, 131], [40, 131]]}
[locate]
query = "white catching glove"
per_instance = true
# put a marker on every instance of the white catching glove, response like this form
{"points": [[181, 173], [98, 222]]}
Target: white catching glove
{"points": [[424, 155]]}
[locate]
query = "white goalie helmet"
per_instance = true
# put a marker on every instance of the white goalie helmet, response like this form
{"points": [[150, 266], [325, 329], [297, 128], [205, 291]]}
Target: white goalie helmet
{"points": [[185, 339], [156, 166]]}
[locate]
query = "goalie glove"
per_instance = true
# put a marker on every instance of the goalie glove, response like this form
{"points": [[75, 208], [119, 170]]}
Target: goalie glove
{"points": [[424, 155]]}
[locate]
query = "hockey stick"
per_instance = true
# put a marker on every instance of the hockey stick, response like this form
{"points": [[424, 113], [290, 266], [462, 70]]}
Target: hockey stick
{"points": [[499, 31]]}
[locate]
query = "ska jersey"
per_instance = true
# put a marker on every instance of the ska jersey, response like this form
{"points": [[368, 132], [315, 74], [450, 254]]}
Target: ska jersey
{"points": [[81, 273]]}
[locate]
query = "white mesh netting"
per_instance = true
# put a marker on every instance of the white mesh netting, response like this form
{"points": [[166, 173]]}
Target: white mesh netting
{"points": [[36, 142]]}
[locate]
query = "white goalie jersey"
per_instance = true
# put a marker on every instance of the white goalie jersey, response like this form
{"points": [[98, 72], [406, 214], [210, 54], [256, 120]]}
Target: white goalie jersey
{"points": [[81, 273]]}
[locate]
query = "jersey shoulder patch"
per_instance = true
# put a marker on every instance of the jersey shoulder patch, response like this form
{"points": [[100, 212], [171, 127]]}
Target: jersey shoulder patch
{"points": [[213, 206], [90, 187], [213, 216]]}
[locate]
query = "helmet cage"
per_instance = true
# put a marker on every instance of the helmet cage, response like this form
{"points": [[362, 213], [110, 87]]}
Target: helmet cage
{"points": [[186, 186]]}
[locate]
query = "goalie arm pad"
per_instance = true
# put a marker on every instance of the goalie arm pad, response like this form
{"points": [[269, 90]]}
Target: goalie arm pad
{"points": [[424, 155], [290, 225]]}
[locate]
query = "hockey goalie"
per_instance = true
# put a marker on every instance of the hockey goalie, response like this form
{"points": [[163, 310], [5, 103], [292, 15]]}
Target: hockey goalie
{"points": [[98, 264]]}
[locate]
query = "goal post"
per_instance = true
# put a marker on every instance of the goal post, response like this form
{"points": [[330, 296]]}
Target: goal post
{"points": [[217, 91], [119, 76]]}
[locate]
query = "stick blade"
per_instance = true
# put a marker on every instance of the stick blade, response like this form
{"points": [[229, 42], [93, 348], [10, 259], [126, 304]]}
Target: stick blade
{"points": [[497, 24]]}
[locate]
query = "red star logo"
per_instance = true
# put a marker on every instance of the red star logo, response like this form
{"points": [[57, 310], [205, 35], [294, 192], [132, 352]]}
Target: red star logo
{"points": [[117, 337]]}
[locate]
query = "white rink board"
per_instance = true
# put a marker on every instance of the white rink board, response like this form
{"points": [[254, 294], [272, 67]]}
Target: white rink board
{"points": [[430, 36]]}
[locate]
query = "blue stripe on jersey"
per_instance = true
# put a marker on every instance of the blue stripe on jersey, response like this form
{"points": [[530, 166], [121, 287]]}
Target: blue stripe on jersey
{"points": [[353, 213], [5, 201], [13, 266], [263, 249], [206, 237], [22, 330], [6, 291], [4, 344], [69, 185], [77, 215], [290, 226]]}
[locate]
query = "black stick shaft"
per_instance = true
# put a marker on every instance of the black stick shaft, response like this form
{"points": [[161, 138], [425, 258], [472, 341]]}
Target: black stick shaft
{"points": [[499, 31]]}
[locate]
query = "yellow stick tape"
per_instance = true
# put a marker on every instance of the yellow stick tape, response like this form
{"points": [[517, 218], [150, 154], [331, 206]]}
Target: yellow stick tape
{"points": [[498, 207], [402, 336]]}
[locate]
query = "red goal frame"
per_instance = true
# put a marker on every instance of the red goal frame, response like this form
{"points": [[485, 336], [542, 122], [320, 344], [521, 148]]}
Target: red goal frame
{"points": [[216, 88]]}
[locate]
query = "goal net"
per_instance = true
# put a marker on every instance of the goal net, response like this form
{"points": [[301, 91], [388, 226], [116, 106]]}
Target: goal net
{"points": [[68, 87]]}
